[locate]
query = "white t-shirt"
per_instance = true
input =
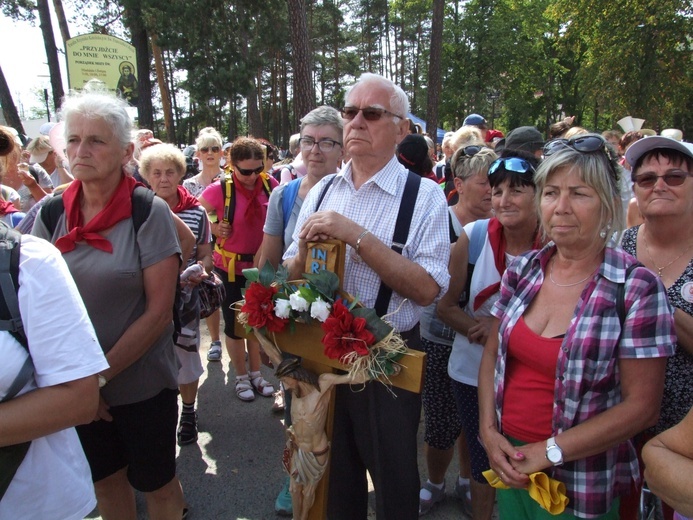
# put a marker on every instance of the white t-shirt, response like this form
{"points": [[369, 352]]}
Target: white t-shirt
{"points": [[465, 357], [54, 480]]}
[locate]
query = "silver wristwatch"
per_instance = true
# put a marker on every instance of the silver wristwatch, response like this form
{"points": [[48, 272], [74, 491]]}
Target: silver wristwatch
{"points": [[554, 453]]}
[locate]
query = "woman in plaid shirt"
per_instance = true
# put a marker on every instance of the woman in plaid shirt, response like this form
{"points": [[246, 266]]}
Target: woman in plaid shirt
{"points": [[563, 385]]}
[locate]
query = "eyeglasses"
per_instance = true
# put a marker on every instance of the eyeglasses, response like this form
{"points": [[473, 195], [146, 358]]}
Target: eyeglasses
{"points": [[325, 145], [369, 113], [213, 149], [511, 164], [671, 178], [248, 173], [582, 143]]}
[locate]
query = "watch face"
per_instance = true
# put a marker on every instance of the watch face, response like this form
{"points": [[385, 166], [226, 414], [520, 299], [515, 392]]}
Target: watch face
{"points": [[554, 454]]}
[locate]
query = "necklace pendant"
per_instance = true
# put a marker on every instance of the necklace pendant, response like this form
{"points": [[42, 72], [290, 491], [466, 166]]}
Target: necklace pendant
{"points": [[659, 271]]}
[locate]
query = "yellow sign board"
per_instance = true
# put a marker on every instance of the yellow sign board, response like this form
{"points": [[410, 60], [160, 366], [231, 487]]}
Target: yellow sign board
{"points": [[104, 58]]}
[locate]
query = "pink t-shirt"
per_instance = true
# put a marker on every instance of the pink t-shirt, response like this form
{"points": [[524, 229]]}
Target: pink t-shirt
{"points": [[244, 239]]}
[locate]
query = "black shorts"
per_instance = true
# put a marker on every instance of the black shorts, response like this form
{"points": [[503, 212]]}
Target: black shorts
{"points": [[141, 437], [233, 294]]}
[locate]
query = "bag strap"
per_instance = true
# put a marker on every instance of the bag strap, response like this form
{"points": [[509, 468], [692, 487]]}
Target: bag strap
{"points": [[289, 198], [229, 197], [324, 192], [10, 317], [476, 241], [621, 297], [399, 237]]}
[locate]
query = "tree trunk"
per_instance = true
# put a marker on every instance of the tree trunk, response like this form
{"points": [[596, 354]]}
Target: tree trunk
{"points": [[133, 20], [304, 94], [62, 20], [9, 110], [163, 90], [434, 69], [44, 13]]}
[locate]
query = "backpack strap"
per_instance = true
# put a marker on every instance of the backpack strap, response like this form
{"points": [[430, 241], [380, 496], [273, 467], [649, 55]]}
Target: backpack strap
{"points": [[289, 199], [476, 241], [621, 296], [399, 237], [142, 200], [229, 197], [324, 192], [10, 318], [51, 211]]}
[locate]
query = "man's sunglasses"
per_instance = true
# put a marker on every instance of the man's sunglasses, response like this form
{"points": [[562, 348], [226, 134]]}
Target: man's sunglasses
{"points": [[248, 173], [671, 178], [213, 149], [511, 164], [369, 113]]}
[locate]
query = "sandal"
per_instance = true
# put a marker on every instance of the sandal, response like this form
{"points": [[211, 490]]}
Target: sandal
{"points": [[262, 387], [244, 390]]}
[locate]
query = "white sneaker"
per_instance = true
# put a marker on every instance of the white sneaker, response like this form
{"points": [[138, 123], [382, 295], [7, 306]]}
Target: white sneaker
{"points": [[214, 353]]}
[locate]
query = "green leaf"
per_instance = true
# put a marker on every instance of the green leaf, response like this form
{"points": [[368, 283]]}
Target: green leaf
{"points": [[252, 275], [325, 282], [267, 274], [375, 325]]}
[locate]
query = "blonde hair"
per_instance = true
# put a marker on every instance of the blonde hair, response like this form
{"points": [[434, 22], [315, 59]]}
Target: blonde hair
{"points": [[209, 136], [465, 136], [162, 152]]}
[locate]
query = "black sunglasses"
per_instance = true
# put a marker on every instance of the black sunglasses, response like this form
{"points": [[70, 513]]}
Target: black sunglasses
{"points": [[248, 173], [512, 164], [582, 143], [671, 178], [214, 149], [369, 113], [471, 150]]}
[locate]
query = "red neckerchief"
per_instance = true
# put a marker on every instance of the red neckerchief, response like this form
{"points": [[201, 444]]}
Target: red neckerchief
{"points": [[498, 245], [253, 212], [6, 207], [185, 200], [117, 209]]}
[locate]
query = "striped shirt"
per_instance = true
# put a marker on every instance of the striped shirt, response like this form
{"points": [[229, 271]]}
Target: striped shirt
{"points": [[587, 370], [196, 219], [375, 206]]}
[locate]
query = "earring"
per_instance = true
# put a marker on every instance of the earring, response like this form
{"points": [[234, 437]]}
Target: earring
{"points": [[602, 233]]}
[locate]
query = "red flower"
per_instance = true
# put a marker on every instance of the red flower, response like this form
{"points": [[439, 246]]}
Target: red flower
{"points": [[259, 307], [345, 333]]}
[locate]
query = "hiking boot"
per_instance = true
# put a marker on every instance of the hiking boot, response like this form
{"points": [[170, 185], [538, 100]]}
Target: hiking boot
{"points": [[214, 353]]}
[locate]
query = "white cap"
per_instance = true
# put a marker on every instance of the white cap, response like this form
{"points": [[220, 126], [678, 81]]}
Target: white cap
{"points": [[644, 145]]}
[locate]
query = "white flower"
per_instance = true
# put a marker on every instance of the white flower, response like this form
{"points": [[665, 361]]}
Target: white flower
{"points": [[320, 310], [298, 302], [282, 308]]}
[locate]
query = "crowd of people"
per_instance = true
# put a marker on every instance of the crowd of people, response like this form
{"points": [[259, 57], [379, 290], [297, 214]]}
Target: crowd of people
{"points": [[548, 281]]}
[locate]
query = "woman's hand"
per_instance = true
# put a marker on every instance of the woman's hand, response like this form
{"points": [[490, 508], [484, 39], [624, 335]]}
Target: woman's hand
{"points": [[102, 413], [503, 457], [479, 333], [533, 460]]}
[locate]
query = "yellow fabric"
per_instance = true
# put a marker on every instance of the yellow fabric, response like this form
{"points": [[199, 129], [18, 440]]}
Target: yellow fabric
{"points": [[547, 492], [228, 258]]}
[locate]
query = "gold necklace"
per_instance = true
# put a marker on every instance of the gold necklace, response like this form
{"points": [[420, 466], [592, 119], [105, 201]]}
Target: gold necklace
{"points": [[660, 269], [553, 261]]}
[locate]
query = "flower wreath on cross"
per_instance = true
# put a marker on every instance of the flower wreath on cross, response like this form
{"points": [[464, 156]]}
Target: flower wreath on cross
{"points": [[355, 336]]}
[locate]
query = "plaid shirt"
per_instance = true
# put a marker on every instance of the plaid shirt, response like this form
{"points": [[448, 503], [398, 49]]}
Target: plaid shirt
{"points": [[375, 206], [587, 371]]}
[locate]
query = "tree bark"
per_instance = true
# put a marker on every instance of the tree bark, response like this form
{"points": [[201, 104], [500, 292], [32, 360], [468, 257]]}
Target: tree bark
{"points": [[140, 40], [62, 20], [163, 90], [51, 52], [304, 93], [9, 110], [434, 69]]}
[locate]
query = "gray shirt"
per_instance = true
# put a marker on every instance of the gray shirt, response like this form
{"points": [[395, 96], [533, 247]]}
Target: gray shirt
{"points": [[274, 223], [112, 287]]}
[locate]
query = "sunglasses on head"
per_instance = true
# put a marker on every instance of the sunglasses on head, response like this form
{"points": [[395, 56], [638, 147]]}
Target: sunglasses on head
{"points": [[213, 149], [248, 173], [471, 150], [369, 113], [582, 143], [671, 178], [511, 164]]}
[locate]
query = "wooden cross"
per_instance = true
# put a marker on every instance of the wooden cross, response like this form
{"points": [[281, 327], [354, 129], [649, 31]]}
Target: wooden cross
{"points": [[306, 342]]}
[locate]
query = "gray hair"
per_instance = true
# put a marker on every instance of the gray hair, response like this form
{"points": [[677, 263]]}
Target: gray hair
{"points": [[599, 172], [209, 136], [98, 104], [323, 116], [162, 152], [399, 104], [464, 166]]}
